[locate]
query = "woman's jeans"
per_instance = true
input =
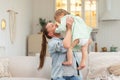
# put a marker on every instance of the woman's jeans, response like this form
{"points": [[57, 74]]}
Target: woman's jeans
{"points": [[68, 78]]}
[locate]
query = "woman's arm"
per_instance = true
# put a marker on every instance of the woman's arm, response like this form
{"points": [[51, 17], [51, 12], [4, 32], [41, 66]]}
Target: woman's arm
{"points": [[68, 38]]}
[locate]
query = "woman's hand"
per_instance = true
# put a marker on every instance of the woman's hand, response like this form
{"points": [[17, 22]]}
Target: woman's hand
{"points": [[69, 22]]}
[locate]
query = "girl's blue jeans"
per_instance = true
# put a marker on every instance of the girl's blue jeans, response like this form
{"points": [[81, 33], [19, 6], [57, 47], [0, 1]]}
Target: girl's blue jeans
{"points": [[68, 78]]}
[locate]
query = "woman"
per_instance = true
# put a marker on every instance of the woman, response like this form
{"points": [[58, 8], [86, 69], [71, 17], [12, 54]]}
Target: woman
{"points": [[58, 53]]}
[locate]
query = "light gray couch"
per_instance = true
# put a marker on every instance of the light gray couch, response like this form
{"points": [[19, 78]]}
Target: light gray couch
{"points": [[25, 67]]}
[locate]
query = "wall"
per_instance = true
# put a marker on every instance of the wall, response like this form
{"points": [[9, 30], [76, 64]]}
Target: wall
{"points": [[23, 25], [42, 9], [108, 33]]}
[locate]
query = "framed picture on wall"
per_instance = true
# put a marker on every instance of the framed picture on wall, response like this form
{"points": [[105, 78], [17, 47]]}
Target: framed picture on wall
{"points": [[3, 24]]}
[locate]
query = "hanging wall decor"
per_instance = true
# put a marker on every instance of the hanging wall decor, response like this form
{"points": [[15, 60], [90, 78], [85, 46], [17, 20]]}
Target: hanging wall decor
{"points": [[12, 25]]}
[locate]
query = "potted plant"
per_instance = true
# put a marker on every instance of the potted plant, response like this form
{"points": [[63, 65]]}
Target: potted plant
{"points": [[43, 22]]}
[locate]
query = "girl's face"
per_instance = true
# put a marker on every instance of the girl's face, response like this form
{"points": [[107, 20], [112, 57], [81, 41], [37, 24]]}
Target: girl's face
{"points": [[58, 18], [51, 29]]}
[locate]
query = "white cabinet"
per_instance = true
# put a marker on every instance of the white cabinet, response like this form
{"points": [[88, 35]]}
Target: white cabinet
{"points": [[34, 44], [110, 12]]}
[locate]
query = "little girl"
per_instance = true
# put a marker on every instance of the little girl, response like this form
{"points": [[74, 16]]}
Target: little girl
{"points": [[80, 35]]}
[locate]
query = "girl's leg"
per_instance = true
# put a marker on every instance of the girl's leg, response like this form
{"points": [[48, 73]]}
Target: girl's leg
{"points": [[69, 53], [69, 58], [89, 42], [84, 51]]}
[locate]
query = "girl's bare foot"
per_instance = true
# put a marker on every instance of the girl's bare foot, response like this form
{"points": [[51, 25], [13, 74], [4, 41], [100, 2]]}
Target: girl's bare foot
{"points": [[82, 65], [67, 63]]}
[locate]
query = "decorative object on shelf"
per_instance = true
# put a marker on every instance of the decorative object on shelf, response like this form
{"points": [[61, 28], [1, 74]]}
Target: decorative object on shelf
{"points": [[42, 22], [113, 49], [3, 24], [104, 49], [95, 44], [12, 24], [96, 47]]}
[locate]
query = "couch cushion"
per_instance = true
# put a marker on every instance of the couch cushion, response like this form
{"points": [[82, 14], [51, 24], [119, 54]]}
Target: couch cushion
{"points": [[99, 62], [114, 69], [26, 66], [4, 70], [23, 66], [45, 72], [19, 78]]}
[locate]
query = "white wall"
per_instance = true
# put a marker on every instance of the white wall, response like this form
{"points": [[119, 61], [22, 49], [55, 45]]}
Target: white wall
{"points": [[29, 13], [109, 31], [42, 9], [23, 25]]}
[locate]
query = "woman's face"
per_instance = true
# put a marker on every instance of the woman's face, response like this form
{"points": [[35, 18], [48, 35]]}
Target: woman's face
{"points": [[51, 28]]}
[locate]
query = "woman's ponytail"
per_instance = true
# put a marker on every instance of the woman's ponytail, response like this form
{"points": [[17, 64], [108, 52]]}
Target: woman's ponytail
{"points": [[43, 47], [43, 51]]}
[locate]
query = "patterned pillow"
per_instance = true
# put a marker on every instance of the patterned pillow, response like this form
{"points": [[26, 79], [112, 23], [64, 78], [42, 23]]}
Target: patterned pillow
{"points": [[114, 69], [4, 70], [99, 62], [92, 74]]}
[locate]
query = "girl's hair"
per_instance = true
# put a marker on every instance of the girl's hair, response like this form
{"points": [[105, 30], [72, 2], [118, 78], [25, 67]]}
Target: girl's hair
{"points": [[43, 47], [60, 12]]}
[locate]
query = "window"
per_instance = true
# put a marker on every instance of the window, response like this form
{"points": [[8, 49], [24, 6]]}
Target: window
{"points": [[83, 8]]}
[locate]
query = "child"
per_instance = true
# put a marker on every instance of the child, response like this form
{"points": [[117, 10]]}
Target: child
{"points": [[80, 35]]}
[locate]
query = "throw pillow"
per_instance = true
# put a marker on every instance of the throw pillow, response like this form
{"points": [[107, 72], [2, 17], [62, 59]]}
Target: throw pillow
{"points": [[114, 69], [99, 62], [95, 73], [4, 70]]}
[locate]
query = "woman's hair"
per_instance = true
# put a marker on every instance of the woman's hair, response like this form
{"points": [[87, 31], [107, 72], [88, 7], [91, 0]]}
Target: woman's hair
{"points": [[43, 46], [60, 12]]}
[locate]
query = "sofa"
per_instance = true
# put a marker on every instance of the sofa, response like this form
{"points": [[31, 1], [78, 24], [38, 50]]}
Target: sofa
{"points": [[100, 63], [25, 67]]}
